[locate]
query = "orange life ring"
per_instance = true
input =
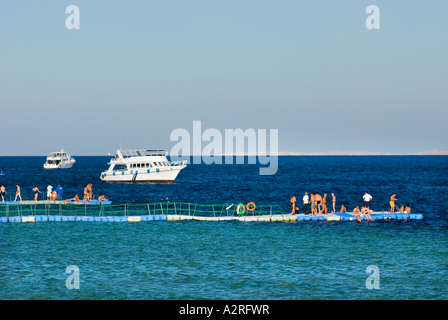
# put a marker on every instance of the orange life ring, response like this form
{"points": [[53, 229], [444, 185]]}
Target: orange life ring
{"points": [[251, 206], [238, 209]]}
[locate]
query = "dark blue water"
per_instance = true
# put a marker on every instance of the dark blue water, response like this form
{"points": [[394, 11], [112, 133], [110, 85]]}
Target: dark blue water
{"points": [[236, 260]]}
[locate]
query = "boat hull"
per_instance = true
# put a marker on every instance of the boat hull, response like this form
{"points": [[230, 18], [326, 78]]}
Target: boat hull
{"points": [[54, 166], [161, 176]]}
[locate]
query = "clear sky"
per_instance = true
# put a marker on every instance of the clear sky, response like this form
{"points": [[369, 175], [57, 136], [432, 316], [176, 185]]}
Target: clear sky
{"points": [[137, 70]]}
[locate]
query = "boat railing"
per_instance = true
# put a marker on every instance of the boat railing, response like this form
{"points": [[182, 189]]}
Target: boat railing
{"points": [[178, 163]]}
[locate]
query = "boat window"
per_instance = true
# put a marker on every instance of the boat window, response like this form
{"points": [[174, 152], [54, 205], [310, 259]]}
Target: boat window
{"points": [[120, 167], [150, 165]]}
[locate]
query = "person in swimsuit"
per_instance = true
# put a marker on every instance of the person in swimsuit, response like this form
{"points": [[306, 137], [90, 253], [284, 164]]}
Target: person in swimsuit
{"points": [[36, 192], [87, 192], [393, 198], [407, 209], [318, 203], [89, 188], [343, 209], [313, 204], [356, 213], [75, 199], [365, 211], [401, 210], [324, 208], [293, 204], [334, 203], [18, 193], [2, 192], [101, 198]]}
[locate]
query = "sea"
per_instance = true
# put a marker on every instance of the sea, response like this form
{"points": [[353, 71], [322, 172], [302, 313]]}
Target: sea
{"points": [[235, 260]]}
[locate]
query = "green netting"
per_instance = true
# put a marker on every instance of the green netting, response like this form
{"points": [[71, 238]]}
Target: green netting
{"points": [[156, 208]]}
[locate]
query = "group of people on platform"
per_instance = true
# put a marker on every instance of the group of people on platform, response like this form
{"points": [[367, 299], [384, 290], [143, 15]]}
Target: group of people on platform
{"points": [[318, 205], [56, 194]]}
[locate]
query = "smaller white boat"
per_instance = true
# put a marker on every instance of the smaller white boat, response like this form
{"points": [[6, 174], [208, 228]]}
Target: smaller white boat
{"points": [[59, 160]]}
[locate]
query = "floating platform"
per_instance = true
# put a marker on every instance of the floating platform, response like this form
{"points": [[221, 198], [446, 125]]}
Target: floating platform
{"points": [[32, 211], [38, 202]]}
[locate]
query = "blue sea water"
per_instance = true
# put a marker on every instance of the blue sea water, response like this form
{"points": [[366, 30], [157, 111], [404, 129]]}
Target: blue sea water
{"points": [[236, 260]]}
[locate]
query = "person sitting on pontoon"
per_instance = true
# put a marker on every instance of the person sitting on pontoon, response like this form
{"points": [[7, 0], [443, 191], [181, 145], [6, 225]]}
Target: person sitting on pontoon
{"points": [[101, 198], [356, 213], [343, 209], [75, 199], [365, 211], [407, 209]]}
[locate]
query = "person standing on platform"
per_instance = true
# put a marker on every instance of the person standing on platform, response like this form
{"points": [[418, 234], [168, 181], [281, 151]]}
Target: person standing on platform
{"points": [[293, 203], [393, 198], [367, 197], [3, 192], [49, 191], [313, 204], [60, 191], [334, 203], [36, 192], [18, 193], [306, 203]]}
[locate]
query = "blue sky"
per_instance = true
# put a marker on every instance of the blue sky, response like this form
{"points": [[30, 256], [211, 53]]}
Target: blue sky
{"points": [[137, 70]]}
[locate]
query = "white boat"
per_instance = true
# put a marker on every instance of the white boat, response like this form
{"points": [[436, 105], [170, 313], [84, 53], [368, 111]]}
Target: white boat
{"points": [[59, 160], [142, 166]]}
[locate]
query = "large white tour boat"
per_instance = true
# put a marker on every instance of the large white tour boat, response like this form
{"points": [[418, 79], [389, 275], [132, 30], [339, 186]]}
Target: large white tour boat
{"points": [[142, 166], [59, 160]]}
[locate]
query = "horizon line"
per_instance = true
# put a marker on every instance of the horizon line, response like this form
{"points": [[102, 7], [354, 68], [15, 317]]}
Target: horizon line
{"points": [[281, 153]]}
